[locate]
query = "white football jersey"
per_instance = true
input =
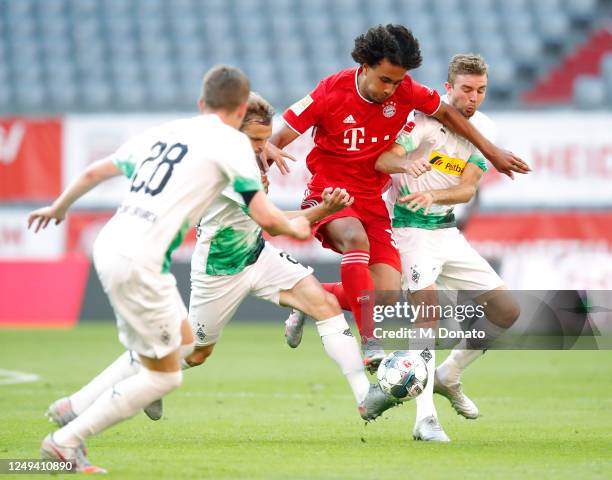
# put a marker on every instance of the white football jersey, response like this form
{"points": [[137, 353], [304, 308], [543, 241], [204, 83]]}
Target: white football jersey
{"points": [[228, 239], [448, 154], [176, 171]]}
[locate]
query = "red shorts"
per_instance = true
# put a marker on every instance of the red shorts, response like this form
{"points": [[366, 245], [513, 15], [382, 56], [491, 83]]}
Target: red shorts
{"points": [[373, 215]]}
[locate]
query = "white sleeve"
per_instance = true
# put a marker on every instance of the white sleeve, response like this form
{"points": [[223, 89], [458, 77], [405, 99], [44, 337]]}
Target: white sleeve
{"points": [[134, 150], [414, 133]]}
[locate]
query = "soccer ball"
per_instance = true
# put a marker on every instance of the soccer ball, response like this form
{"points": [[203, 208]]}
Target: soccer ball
{"points": [[403, 375]]}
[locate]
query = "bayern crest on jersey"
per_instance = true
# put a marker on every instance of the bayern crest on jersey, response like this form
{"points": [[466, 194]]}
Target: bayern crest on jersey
{"points": [[389, 109]]}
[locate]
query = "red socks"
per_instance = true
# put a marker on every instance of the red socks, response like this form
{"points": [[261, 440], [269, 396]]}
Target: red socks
{"points": [[356, 290]]}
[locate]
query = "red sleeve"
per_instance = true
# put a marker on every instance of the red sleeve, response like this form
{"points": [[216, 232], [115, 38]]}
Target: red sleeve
{"points": [[308, 111], [425, 99]]}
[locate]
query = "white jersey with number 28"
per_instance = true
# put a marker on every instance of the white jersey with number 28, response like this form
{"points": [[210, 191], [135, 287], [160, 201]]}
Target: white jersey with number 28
{"points": [[176, 171]]}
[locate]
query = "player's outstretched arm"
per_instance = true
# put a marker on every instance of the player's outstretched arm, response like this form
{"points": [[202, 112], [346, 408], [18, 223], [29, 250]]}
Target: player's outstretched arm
{"points": [[394, 160], [503, 160], [274, 221], [334, 200], [461, 193], [273, 152], [94, 174]]}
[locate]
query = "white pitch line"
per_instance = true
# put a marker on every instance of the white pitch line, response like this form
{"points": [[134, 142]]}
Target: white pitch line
{"points": [[11, 377], [230, 395]]}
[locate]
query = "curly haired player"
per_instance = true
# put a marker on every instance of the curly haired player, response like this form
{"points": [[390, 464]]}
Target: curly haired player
{"points": [[357, 114]]}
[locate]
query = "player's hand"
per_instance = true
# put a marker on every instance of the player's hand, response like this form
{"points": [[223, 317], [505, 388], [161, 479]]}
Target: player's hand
{"points": [[418, 167], [507, 162], [40, 218], [300, 227], [265, 182], [335, 199], [417, 200], [272, 154]]}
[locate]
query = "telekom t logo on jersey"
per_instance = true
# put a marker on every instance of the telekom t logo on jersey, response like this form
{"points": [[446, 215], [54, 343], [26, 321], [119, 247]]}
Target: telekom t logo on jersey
{"points": [[357, 136]]}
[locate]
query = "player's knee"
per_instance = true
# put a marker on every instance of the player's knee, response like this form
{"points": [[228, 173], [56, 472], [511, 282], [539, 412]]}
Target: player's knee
{"points": [[387, 297], [326, 306], [355, 239], [331, 304]]}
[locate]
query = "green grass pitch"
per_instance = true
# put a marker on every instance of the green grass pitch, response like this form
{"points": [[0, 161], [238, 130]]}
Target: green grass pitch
{"points": [[259, 410]]}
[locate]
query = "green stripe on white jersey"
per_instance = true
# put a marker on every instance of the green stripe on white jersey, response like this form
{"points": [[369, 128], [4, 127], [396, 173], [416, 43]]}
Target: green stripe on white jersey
{"points": [[228, 239]]}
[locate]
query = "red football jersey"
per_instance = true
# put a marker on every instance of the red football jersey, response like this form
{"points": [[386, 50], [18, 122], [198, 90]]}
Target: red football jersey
{"points": [[351, 132]]}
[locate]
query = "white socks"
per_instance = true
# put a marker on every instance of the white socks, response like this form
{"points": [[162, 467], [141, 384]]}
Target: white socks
{"points": [[123, 401], [457, 361], [185, 351], [424, 402], [125, 366], [341, 347]]}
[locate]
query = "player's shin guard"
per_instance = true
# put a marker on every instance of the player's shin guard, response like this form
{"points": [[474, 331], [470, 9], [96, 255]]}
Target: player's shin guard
{"points": [[123, 401], [341, 347], [126, 365], [359, 289]]}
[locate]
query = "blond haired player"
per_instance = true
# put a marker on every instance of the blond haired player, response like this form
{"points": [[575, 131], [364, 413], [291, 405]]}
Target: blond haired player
{"points": [[433, 170], [232, 261], [176, 171]]}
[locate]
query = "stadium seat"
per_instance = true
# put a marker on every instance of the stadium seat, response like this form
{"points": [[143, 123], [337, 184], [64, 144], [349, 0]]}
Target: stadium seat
{"points": [[446, 6], [606, 68], [378, 14], [508, 9], [255, 51], [316, 25], [553, 26], [323, 47], [501, 76], [478, 7], [87, 38], [490, 45], [582, 10], [250, 27], [7, 99], [130, 96], [518, 24], [455, 43], [285, 6], [589, 92], [525, 49], [63, 96], [289, 49], [432, 73], [606, 75], [30, 95], [293, 70]]}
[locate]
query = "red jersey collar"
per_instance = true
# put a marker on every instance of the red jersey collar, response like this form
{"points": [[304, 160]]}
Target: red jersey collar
{"points": [[357, 72]]}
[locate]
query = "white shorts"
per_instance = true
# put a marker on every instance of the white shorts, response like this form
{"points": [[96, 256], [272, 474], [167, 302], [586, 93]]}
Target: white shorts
{"points": [[445, 257], [147, 304], [215, 298]]}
